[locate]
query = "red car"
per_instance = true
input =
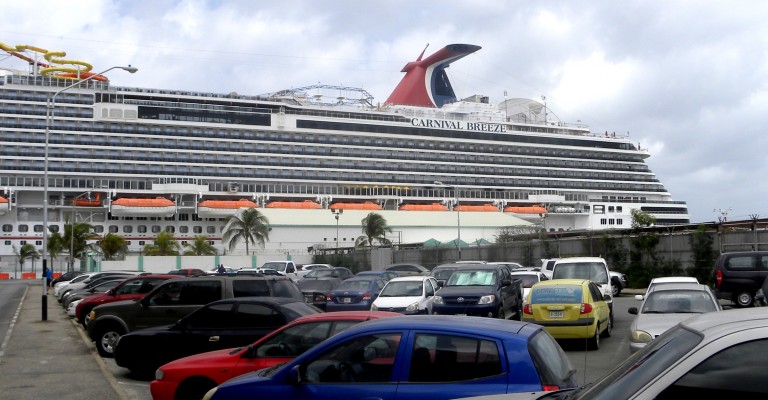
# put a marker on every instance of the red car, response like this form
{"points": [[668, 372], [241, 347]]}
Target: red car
{"points": [[190, 377], [130, 289]]}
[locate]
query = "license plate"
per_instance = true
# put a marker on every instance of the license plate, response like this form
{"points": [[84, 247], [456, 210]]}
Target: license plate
{"points": [[347, 300], [555, 314]]}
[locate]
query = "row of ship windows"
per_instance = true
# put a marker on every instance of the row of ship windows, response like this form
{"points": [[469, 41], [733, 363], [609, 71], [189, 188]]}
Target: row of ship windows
{"points": [[23, 228], [398, 178], [301, 138], [98, 157], [611, 221]]}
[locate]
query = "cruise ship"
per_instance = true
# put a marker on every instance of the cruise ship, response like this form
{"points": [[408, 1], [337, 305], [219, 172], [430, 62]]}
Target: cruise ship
{"points": [[137, 161]]}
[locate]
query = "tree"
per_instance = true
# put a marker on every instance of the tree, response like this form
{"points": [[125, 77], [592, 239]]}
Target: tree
{"points": [[56, 244], [374, 229], [77, 235], [165, 245], [250, 226], [200, 246], [642, 254], [113, 245], [703, 253], [641, 219], [27, 252]]}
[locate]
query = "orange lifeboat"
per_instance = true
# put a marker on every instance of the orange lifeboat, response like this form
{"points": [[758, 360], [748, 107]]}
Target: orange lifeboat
{"points": [[306, 204], [88, 202], [480, 208], [222, 208], [157, 207], [355, 206], [5, 205], [423, 207], [526, 209]]}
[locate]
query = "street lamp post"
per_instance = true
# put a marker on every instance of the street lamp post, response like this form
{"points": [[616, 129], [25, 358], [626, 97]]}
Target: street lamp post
{"points": [[458, 213], [336, 214], [48, 122]]}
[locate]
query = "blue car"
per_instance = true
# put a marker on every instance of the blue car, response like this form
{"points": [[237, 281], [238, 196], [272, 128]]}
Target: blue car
{"points": [[354, 294], [419, 357]]}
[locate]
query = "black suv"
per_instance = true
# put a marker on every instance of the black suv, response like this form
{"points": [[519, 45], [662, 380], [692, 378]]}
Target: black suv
{"points": [[486, 290], [738, 275], [174, 299]]}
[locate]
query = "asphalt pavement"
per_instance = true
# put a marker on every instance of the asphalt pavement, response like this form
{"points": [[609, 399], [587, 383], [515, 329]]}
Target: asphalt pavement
{"points": [[46, 359]]}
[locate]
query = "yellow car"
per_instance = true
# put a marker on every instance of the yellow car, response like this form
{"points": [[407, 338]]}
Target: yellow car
{"points": [[569, 309]]}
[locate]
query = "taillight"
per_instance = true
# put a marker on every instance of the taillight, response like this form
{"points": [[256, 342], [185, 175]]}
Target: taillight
{"points": [[549, 388], [366, 296], [718, 277], [323, 297], [586, 308], [528, 309]]}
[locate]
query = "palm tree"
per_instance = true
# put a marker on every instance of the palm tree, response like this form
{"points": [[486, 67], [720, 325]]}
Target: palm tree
{"points": [[27, 252], [165, 245], [200, 246], [374, 229], [56, 244], [77, 235], [250, 226], [113, 245]]}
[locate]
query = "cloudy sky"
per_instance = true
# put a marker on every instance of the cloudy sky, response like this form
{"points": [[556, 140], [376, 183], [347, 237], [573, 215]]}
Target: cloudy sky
{"points": [[686, 79]]}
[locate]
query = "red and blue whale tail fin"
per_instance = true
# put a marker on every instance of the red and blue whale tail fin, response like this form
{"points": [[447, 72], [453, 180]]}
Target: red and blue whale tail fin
{"points": [[425, 83]]}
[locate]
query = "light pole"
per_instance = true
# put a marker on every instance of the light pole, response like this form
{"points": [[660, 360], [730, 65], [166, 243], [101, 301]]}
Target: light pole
{"points": [[48, 122], [336, 214], [458, 213]]}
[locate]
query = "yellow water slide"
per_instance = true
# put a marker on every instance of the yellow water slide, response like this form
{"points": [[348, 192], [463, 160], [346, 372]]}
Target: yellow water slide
{"points": [[81, 71]]}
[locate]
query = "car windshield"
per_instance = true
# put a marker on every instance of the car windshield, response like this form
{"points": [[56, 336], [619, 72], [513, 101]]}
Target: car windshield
{"points": [[678, 301], [472, 278], [528, 279], [442, 273], [560, 294], [320, 273], [277, 266], [402, 289], [318, 285], [641, 367], [354, 285], [594, 271]]}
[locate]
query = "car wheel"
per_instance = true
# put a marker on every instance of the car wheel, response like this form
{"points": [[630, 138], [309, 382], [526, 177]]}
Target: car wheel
{"points": [[615, 289], [607, 332], [594, 342], [106, 339], [194, 389], [744, 299]]}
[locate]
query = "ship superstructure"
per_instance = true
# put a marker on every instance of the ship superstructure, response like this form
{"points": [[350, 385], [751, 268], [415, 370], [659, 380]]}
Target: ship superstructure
{"points": [[136, 161]]}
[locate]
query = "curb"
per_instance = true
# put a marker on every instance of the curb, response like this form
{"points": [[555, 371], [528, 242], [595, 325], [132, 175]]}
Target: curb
{"points": [[121, 392]]}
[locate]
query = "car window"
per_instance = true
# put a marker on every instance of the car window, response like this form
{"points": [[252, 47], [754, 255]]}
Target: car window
{"points": [[363, 359], [472, 278], [286, 288], [678, 301], [442, 273], [445, 358], [560, 294], [740, 263], [214, 316], [250, 315], [528, 279], [594, 271], [295, 340], [551, 363], [250, 287], [595, 292], [402, 288], [763, 263], [736, 372], [430, 288]]}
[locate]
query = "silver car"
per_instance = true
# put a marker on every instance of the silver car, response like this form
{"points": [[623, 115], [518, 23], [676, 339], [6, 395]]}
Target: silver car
{"points": [[664, 307], [713, 355]]}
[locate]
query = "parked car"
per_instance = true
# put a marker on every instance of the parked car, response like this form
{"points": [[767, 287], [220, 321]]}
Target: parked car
{"points": [[619, 282], [306, 268], [480, 290], [407, 295], [175, 298], [738, 275], [67, 276], [547, 265], [408, 269], [384, 275], [414, 357], [187, 272], [570, 309], [593, 268], [191, 377], [130, 289], [99, 288], [529, 278], [315, 291], [664, 307], [442, 272], [79, 278], [287, 268], [354, 294], [83, 280], [760, 296], [713, 355], [227, 270], [323, 273], [219, 325], [655, 282]]}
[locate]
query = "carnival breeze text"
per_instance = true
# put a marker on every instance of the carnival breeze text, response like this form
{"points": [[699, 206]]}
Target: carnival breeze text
{"points": [[460, 125]]}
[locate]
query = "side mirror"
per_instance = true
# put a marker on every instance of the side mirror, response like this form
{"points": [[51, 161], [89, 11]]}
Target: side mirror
{"points": [[144, 302], [250, 351], [506, 282], [294, 375], [632, 310], [639, 297]]}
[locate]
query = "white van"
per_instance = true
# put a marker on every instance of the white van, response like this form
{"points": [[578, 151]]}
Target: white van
{"points": [[593, 268]]}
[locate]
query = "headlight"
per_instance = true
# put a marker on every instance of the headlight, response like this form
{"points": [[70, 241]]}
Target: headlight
{"points": [[437, 300], [640, 337], [412, 307], [487, 299], [92, 315], [210, 393], [374, 308], [159, 374]]}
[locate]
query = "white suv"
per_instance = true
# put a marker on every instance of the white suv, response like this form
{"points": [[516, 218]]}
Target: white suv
{"points": [[593, 268]]}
